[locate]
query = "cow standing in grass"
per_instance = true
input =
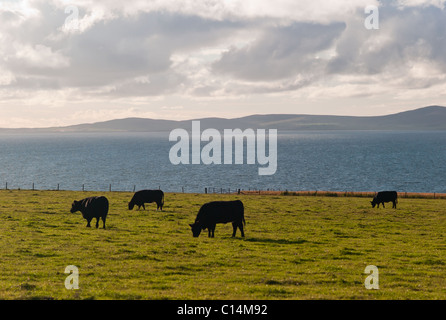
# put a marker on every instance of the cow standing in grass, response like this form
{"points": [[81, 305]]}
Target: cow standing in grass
{"points": [[93, 207], [215, 212], [147, 196], [385, 196]]}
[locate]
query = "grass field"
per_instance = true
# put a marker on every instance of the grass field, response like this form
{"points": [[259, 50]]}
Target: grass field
{"points": [[296, 247]]}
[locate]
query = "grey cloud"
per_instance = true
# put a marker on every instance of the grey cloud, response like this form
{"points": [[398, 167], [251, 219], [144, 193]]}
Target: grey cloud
{"points": [[113, 51], [409, 34], [281, 52]]}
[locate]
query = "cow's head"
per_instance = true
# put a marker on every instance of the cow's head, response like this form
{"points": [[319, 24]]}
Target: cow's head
{"points": [[373, 202], [131, 205], [196, 229], [75, 206]]}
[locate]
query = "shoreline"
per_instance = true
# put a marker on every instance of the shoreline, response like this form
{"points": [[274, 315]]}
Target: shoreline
{"points": [[364, 194], [314, 193]]}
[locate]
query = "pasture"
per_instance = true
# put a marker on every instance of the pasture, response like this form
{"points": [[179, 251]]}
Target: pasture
{"points": [[296, 247]]}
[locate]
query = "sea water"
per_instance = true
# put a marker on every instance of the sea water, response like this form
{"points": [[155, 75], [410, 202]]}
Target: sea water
{"points": [[410, 161]]}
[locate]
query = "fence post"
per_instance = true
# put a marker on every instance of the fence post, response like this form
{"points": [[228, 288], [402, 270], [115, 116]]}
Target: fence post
{"points": [[6, 187], [206, 190], [134, 188], [83, 187], [33, 186], [109, 187], [57, 187], [182, 189]]}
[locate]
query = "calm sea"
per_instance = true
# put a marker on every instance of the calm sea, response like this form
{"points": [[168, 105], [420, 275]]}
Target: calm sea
{"points": [[317, 160]]}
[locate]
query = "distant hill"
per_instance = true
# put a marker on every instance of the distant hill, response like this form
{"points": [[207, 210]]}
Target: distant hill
{"points": [[427, 118]]}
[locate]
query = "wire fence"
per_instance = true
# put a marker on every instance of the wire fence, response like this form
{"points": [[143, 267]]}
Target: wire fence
{"points": [[227, 190]]}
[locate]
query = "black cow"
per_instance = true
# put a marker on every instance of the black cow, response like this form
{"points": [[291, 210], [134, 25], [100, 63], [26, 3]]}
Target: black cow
{"points": [[147, 196], [385, 196], [215, 212], [93, 207]]}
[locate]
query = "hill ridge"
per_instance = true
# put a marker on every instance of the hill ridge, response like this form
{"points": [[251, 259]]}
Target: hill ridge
{"points": [[425, 118]]}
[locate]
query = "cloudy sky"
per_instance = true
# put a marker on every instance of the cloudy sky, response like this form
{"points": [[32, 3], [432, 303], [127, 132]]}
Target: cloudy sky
{"points": [[68, 62]]}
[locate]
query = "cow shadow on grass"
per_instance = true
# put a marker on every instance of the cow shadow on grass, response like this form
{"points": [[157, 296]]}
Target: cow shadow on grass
{"points": [[274, 241]]}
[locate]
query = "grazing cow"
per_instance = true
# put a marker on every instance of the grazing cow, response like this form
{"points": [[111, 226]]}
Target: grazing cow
{"points": [[385, 196], [147, 196], [93, 207], [215, 212]]}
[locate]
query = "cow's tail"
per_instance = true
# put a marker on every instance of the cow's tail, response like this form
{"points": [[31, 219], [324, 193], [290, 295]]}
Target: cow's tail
{"points": [[243, 215], [107, 206]]}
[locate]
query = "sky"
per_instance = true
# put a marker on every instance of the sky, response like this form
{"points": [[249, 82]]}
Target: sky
{"points": [[69, 62]]}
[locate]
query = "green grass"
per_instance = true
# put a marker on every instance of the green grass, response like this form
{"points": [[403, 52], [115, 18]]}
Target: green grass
{"points": [[295, 248]]}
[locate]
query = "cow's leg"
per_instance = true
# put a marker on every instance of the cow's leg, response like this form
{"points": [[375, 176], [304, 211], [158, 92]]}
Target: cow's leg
{"points": [[143, 206], [88, 222], [383, 205], [240, 225], [394, 204], [234, 228], [103, 220], [97, 222], [211, 230]]}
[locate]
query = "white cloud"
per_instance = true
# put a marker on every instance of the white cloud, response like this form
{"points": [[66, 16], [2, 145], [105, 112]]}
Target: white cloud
{"points": [[39, 56]]}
